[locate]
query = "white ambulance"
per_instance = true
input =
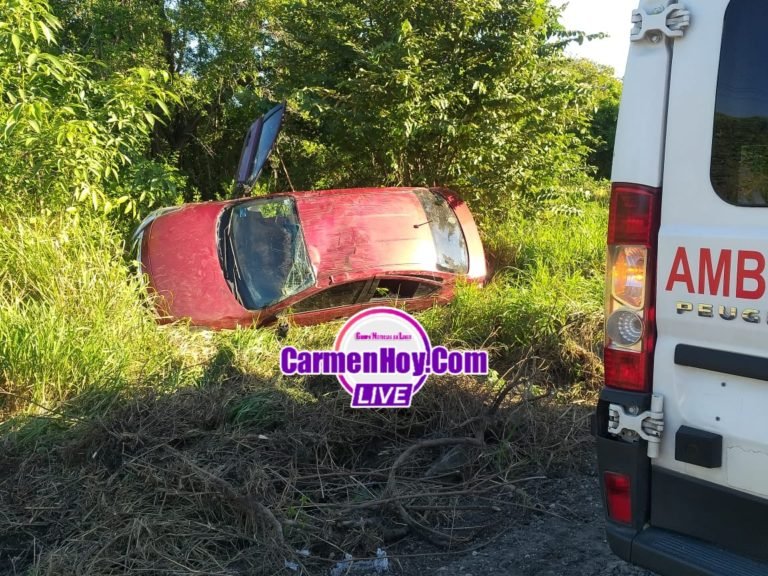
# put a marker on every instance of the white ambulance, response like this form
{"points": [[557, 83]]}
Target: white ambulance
{"points": [[682, 423]]}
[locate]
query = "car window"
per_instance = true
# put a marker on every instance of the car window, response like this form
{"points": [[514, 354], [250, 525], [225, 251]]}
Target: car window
{"points": [[258, 144], [269, 131], [739, 169], [265, 257], [450, 246], [333, 297], [398, 289]]}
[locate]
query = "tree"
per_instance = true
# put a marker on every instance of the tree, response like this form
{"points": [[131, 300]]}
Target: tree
{"points": [[473, 94], [470, 94], [70, 136], [607, 90], [212, 53]]}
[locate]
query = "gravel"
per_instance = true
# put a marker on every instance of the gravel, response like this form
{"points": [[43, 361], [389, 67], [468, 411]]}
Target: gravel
{"points": [[567, 540]]}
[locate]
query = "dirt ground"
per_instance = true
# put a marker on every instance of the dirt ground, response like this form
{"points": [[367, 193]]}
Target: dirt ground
{"points": [[568, 540], [90, 505]]}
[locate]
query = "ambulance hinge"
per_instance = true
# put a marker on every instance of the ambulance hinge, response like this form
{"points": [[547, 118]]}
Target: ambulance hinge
{"points": [[648, 425], [655, 23]]}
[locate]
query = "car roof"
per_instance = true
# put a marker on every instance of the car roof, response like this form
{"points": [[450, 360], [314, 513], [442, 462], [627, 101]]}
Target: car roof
{"points": [[366, 230]]}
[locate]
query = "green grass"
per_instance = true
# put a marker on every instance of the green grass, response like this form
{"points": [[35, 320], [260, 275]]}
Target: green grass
{"points": [[549, 275], [76, 329], [73, 320], [111, 422]]}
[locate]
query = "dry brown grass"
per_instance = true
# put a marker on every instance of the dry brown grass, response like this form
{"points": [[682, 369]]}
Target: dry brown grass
{"points": [[240, 477]]}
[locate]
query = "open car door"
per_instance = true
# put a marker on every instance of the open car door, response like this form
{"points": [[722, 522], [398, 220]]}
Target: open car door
{"points": [[257, 147]]}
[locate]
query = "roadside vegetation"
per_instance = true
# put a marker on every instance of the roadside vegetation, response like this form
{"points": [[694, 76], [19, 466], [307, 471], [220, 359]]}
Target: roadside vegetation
{"points": [[134, 446]]}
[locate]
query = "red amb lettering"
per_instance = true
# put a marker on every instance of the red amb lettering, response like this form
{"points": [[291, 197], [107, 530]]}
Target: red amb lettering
{"points": [[713, 278], [754, 273], [681, 271], [716, 280]]}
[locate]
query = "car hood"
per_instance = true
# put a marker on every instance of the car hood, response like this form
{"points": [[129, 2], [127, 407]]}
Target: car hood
{"points": [[180, 256], [366, 229]]}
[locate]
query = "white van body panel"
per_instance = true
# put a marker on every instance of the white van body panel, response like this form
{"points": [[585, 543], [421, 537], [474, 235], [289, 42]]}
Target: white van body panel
{"points": [[695, 217], [638, 153], [691, 161]]}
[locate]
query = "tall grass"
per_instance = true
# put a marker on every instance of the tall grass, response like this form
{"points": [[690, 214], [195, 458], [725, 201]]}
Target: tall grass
{"points": [[75, 331], [75, 324], [547, 290], [72, 316]]}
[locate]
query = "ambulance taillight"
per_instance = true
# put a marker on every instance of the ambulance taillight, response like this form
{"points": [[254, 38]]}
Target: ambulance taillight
{"points": [[630, 328]]}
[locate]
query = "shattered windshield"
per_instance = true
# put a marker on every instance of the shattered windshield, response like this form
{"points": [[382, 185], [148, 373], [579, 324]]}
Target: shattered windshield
{"points": [[450, 246], [265, 259]]}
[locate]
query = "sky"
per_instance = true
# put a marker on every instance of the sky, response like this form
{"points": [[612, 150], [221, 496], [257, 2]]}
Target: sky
{"points": [[610, 16]]}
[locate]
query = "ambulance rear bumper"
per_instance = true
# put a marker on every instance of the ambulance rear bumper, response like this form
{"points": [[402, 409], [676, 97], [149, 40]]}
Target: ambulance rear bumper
{"points": [[672, 554], [681, 526]]}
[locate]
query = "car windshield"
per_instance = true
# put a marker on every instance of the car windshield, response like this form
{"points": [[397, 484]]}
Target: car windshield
{"points": [[450, 246], [264, 256]]}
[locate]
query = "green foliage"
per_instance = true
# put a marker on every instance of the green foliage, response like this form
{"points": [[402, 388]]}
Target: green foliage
{"points": [[76, 330], [211, 52], [548, 283], [146, 101], [602, 129], [69, 137], [470, 95], [260, 410], [473, 95]]}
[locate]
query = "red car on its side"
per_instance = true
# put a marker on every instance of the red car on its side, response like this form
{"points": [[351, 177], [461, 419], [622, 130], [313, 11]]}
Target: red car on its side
{"points": [[315, 255]]}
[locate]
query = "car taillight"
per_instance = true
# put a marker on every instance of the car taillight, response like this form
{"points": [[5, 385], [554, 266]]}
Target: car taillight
{"points": [[630, 327], [618, 495]]}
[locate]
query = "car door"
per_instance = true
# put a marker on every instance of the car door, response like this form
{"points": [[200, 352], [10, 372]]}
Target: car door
{"points": [[711, 361], [331, 303], [404, 291], [257, 147]]}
